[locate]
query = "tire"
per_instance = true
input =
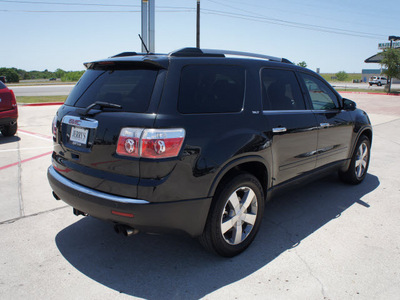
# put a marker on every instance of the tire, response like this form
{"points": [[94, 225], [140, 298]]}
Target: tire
{"points": [[235, 216], [359, 162], [10, 130], [379, 84]]}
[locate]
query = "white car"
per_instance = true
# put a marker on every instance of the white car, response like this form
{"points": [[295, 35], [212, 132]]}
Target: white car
{"points": [[378, 80]]}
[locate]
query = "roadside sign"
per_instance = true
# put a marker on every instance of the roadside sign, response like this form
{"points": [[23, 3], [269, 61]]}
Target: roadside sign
{"points": [[387, 45]]}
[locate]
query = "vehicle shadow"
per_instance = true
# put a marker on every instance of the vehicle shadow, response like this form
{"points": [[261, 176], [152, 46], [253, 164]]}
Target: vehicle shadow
{"points": [[8, 139], [176, 267]]}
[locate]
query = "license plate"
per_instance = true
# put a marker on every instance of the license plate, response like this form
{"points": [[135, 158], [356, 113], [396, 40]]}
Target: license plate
{"points": [[79, 135]]}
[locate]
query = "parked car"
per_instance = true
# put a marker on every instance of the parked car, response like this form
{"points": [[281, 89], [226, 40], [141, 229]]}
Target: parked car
{"points": [[8, 111], [197, 140], [378, 80], [3, 79]]}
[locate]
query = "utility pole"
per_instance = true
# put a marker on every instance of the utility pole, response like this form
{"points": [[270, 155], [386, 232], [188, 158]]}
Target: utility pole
{"points": [[145, 25], [198, 25], [148, 25]]}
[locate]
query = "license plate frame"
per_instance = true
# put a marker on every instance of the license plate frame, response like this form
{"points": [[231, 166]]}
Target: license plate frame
{"points": [[78, 136]]}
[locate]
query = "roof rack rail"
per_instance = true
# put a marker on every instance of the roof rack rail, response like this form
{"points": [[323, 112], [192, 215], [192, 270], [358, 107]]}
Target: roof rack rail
{"points": [[125, 54], [187, 52]]}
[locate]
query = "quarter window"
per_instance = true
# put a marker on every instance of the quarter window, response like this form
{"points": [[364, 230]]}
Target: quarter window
{"points": [[321, 95], [281, 90], [211, 89]]}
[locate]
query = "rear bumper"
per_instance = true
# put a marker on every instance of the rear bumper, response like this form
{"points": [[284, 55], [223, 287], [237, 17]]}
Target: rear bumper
{"points": [[181, 216], [8, 117]]}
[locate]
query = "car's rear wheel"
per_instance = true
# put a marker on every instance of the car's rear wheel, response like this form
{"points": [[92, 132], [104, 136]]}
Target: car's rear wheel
{"points": [[359, 162], [10, 130], [235, 216]]}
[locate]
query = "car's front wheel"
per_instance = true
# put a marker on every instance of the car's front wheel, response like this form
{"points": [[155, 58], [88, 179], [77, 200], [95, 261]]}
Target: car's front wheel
{"points": [[359, 162], [235, 216]]}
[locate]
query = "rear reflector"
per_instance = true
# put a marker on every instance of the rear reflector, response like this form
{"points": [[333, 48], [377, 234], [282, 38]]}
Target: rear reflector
{"points": [[150, 143], [122, 214]]}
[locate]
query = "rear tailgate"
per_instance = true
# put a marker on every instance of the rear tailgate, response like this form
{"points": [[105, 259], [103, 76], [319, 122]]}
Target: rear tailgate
{"points": [[6, 98], [86, 143]]}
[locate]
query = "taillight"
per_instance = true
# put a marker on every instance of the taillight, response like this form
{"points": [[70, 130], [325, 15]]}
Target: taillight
{"points": [[54, 127], [162, 143], [150, 143], [129, 142], [13, 100]]}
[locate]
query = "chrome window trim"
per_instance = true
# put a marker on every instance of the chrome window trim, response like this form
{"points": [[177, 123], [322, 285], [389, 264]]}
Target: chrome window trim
{"points": [[277, 112], [82, 189]]}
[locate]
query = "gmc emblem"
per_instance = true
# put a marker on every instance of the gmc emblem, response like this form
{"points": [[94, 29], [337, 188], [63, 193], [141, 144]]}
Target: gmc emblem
{"points": [[74, 122]]}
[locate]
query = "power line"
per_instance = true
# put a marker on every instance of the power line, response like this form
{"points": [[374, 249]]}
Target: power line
{"points": [[250, 16], [90, 11], [282, 22], [89, 4]]}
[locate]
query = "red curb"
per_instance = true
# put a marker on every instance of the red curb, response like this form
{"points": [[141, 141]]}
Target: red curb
{"points": [[42, 104], [368, 93]]}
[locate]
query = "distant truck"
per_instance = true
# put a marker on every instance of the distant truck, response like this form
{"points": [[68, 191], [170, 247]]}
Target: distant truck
{"points": [[378, 80]]}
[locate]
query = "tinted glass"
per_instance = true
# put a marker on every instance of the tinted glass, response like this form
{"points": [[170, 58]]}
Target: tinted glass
{"points": [[2, 85], [211, 89], [321, 95], [281, 90], [132, 89]]}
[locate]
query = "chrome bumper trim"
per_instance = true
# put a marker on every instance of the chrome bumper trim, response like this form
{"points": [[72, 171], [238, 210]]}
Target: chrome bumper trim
{"points": [[86, 190]]}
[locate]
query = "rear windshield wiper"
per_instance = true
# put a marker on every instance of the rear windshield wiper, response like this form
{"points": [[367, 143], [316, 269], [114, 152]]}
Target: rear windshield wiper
{"points": [[101, 105]]}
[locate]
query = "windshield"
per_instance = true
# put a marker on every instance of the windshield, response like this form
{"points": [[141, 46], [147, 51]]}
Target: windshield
{"points": [[132, 89]]}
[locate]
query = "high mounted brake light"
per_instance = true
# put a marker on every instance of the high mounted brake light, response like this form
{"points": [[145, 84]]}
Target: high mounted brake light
{"points": [[150, 143]]}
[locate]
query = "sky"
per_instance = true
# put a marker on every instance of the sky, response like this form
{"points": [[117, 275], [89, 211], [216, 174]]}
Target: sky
{"points": [[331, 35]]}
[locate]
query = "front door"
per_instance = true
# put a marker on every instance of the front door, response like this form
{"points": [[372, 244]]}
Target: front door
{"points": [[335, 124], [291, 127]]}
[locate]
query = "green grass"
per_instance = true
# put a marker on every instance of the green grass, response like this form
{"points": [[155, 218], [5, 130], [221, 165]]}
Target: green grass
{"points": [[350, 78], [40, 99]]}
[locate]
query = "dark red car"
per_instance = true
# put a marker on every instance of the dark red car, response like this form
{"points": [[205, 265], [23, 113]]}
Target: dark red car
{"points": [[8, 111]]}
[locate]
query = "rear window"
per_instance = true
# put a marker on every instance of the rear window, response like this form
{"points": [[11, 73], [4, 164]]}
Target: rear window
{"points": [[2, 85], [211, 89], [132, 89]]}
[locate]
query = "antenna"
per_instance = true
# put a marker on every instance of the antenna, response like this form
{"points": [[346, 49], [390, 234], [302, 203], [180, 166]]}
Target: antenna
{"points": [[144, 45]]}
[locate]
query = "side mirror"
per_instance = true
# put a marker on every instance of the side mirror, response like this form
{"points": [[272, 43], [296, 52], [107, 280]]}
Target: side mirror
{"points": [[349, 104]]}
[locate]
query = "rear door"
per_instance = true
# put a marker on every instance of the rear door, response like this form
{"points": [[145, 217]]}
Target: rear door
{"points": [[293, 127], [335, 124]]}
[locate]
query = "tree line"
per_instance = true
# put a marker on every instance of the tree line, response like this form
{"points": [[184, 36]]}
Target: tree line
{"points": [[15, 75]]}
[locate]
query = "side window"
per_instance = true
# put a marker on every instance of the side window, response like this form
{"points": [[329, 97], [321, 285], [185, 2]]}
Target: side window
{"points": [[211, 89], [321, 95], [281, 90]]}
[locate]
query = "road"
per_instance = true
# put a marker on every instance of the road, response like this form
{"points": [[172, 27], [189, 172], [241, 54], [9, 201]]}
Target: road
{"points": [[42, 90], [326, 240]]}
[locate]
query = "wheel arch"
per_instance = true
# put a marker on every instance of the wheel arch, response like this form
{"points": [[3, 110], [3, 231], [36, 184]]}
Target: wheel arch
{"points": [[367, 131], [254, 165]]}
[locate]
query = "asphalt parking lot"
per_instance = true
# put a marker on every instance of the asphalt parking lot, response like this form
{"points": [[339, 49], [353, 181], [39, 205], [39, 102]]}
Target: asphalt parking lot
{"points": [[326, 240]]}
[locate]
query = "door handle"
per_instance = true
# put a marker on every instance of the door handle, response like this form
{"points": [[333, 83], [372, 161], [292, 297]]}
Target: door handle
{"points": [[279, 129], [325, 125]]}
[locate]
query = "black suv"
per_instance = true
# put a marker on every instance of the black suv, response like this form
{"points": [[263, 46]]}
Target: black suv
{"points": [[197, 140]]}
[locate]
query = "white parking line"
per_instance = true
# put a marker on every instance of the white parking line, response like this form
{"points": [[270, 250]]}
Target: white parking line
{"points": [[36, 135]]}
